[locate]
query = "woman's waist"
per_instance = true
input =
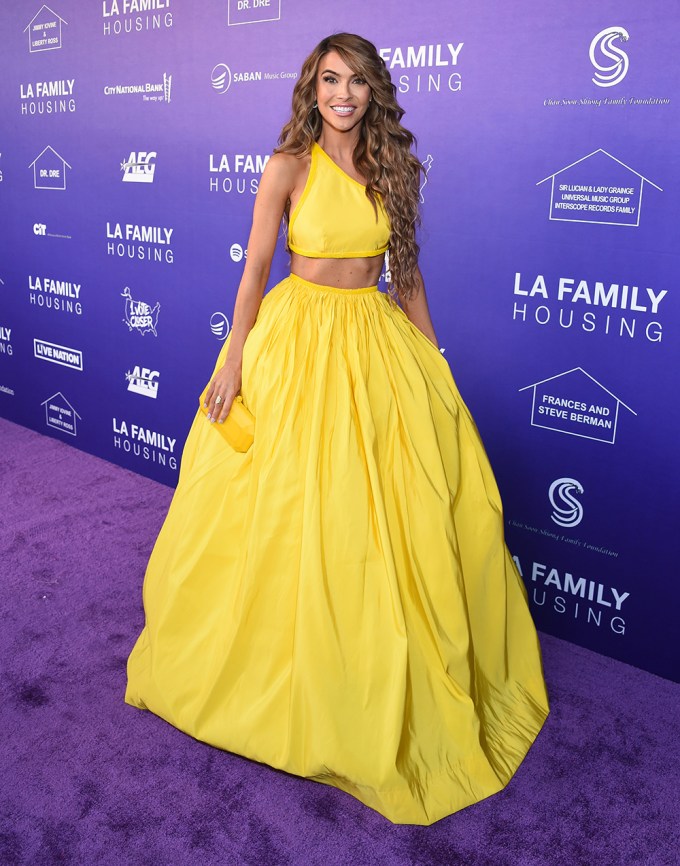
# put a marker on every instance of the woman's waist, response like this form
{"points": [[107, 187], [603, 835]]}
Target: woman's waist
{"points": [[338, 273]]}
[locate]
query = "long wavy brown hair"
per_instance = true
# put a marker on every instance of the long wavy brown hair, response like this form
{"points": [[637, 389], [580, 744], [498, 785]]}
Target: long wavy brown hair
{"points": [[383, 153]]}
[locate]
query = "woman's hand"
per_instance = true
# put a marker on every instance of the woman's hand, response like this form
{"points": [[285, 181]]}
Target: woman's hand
{"points": [[223, 388]]}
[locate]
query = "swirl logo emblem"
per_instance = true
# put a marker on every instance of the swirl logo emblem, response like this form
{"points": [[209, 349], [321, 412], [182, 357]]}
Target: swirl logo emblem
{"points": [[220, 78], [609, 73], [567, 510]]}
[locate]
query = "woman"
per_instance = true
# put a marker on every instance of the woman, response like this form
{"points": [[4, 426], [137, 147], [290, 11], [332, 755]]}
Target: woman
{"points": [[338, 601]]}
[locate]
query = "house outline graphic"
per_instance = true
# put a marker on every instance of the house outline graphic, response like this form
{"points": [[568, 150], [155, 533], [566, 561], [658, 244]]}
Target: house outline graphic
{"points": [[619, 402], [28, 27], [551, 177], [62, 160], [53, 398]]}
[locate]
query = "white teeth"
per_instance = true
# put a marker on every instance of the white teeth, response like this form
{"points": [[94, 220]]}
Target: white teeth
{"points": [[342, 110]]}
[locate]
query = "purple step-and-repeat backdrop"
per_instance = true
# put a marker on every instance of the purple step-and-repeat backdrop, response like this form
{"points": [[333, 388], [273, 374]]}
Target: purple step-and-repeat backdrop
{"points": [[134, 134]]}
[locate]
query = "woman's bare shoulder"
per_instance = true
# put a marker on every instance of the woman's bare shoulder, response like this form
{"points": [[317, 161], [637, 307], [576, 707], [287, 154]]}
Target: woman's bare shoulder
{"points": [[287, 167]]}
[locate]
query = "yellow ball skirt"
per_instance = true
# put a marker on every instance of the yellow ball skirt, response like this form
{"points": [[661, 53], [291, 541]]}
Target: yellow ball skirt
{"points": [[338, 602]]}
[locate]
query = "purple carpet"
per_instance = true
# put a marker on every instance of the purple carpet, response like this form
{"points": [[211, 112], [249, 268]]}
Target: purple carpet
{"points": [[87, 779]]}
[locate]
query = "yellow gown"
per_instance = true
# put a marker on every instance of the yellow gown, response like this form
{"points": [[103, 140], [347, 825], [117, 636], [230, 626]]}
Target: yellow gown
{"points": [[338, 601]]}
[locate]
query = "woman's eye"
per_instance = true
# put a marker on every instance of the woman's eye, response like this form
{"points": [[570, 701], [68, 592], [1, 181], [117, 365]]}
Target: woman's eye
{"points": [[359, 81], [329, 79]]}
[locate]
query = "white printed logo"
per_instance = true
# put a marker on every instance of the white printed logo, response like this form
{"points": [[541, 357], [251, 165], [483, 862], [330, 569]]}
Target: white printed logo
{"points": [[140, 316], [609, 74], [427, 165], [140, 167], [253, 11], [5, 344], [158, 91], [143, 381], [237, 252], [134, 16], [49, 170], [60, 414], [220, 78], [40, 229], [145, 443], [219, 325], [567, 511], [56, 354], [44, 30]]}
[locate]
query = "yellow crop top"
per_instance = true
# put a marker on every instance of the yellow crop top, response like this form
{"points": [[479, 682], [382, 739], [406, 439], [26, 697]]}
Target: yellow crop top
{"points": [[333, 218]]}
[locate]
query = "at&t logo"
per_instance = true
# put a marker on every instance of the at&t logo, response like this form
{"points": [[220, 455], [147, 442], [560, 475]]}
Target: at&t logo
{"points": [[567, 510], [613, 69], [219, 325], [221, 78]]}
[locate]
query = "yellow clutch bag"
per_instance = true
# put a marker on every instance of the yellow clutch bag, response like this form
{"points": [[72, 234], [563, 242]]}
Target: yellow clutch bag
{"points": [[238, 427]]}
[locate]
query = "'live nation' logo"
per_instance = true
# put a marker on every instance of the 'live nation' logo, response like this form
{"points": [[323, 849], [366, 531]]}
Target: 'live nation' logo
{"points": [[56, 354]]}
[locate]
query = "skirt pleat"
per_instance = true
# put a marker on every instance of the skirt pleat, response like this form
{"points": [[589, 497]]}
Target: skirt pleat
{"points": [[339, 602]]}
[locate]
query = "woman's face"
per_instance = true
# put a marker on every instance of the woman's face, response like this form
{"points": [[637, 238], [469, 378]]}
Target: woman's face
{"points": [[342, 96]]}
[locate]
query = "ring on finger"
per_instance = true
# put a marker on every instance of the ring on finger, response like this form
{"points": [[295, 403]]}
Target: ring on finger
{"points": [[218, 400]]}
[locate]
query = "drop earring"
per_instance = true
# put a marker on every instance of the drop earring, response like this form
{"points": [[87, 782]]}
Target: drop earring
{"points": [[315, 105]]}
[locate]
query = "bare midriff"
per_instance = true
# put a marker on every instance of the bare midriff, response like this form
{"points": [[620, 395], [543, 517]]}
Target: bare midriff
{"points": [[340, 273]]}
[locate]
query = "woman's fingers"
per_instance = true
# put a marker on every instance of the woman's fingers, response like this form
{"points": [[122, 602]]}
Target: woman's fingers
{"points": [[223, 410], [216, 401], [220, 395], [215, 405]]}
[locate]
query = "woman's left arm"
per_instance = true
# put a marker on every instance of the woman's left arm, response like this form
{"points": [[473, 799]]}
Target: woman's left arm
{"points": [[418, 311]]}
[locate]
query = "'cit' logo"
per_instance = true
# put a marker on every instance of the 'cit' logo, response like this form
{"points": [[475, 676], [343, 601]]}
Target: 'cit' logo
{"points": [[567, 511], [609, 74], [220, 78]]}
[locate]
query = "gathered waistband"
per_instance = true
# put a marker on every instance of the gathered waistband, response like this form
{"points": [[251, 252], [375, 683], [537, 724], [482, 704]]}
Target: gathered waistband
{"points": [[320, 288]]}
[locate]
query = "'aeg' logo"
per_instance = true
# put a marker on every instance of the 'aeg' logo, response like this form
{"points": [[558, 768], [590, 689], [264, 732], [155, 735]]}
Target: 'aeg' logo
{"points": [[140, 167], [143, 380]]}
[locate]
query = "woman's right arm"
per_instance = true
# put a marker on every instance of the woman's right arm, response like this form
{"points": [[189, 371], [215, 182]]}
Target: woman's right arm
{"points": [[276, 184]]}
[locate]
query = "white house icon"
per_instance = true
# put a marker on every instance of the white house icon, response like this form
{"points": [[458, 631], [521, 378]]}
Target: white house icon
{"points": [[598, 188], [575, 403], [49, 170], [44, 30], [60, 414]]}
